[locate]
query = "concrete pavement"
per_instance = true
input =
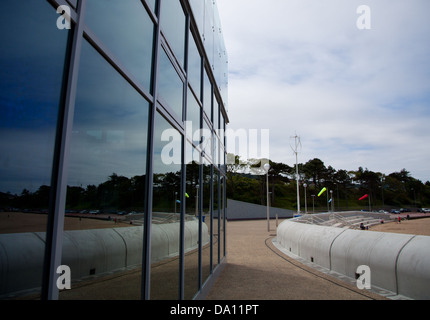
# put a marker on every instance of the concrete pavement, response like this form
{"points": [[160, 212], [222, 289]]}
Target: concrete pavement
{"points": [[256, 270]]}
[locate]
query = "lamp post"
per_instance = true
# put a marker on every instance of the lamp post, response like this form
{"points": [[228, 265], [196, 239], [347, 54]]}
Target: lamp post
{"points": [[328, 203], [331, 198], [382, 190], [267, 168], [176, 199], [306, 203], [313, 203]]}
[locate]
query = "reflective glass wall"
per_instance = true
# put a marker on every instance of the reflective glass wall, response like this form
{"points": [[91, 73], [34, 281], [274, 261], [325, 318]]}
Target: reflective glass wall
{"points": [[112, 164]]}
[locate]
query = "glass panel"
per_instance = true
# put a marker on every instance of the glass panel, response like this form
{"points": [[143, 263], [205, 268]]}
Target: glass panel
{"points": [[207, 102], [193, 115], [221, 220], [170, 86], [31, 76], [173, 25], [207, 139], [215, 220], [165, 226], [73, 3], [216, 114], [198, 8], [194, 67], [216, 157], [207, 221], [106, 183], [152, 4], [221, 129], [126, 29], [191, 271], [209, 30]]}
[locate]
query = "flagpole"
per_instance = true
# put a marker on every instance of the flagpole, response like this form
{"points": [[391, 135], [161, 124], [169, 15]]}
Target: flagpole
{"points": [[370, 209], [328, 208]]}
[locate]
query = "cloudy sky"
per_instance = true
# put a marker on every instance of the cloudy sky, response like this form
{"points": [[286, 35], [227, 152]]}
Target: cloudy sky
{"points": [[355, 97]]}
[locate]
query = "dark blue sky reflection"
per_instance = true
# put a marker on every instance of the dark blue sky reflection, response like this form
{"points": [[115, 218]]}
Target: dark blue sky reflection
{"points": [[31, 71]]}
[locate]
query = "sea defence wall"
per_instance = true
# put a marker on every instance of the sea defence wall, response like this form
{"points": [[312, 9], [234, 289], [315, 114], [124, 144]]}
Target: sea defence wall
{"points": [[399, 263], [89, 252]]}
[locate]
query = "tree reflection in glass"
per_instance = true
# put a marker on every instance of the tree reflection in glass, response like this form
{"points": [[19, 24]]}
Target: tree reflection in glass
{"points": [[165, 228], [106, 182]]}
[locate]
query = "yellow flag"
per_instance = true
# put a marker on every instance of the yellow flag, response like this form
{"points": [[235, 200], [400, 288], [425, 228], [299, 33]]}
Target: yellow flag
{"points": [[322, 191]]}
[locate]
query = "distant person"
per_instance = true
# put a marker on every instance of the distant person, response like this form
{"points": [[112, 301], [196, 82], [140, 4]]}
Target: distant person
{"points": [[362, 226]]}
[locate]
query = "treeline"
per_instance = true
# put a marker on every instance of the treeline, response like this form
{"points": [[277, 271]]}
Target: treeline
{"points": [[117, 192], [396, 190]]}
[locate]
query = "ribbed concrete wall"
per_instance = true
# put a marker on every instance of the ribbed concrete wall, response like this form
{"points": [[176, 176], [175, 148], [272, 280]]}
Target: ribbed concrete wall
{"points": [[398, 262], [88, 252]]}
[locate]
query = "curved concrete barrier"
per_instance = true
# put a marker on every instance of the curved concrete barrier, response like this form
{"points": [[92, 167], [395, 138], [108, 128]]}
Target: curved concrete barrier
{"points": [[413, 268], [21, 261], [398, 262], [89, 252]]}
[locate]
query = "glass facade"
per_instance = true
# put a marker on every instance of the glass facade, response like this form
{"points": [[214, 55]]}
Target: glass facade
{"points": [[112, 174]]}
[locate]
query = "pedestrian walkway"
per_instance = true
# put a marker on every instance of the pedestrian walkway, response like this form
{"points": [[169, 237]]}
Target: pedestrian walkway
{"points": [[256, 270]]}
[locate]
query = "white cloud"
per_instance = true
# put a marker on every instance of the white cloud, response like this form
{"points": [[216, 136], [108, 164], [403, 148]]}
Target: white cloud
{"points": [[356, 97]]}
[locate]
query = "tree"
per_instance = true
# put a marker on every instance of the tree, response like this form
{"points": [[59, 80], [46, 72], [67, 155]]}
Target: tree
{"points": [[315, 169]]}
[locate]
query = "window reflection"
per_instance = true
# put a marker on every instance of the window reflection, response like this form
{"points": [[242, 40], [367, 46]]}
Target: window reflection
{"points": [[216, 114], [152, 4], [207, 101], [191, 271], [106, 180], [215, 220], [193, 116], [31, 77], [198, 7], [165, 227], [126, 29], [209, 29], [221, 219], [170, 85], [173, 25], [207, 221], [194, 66]]}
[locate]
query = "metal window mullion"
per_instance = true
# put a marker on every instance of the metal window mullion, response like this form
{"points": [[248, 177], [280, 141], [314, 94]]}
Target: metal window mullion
{"points": [[225, 217], [219, 197], [57, 221], [183, 173], [146, 259], [211, 210], [200, 211], [182, 222]]}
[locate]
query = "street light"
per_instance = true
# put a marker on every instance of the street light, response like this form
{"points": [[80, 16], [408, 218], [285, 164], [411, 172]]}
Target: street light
{"points": [[313, 203], [176, 200], [306, 204], [331, 199], [267, 168]]}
